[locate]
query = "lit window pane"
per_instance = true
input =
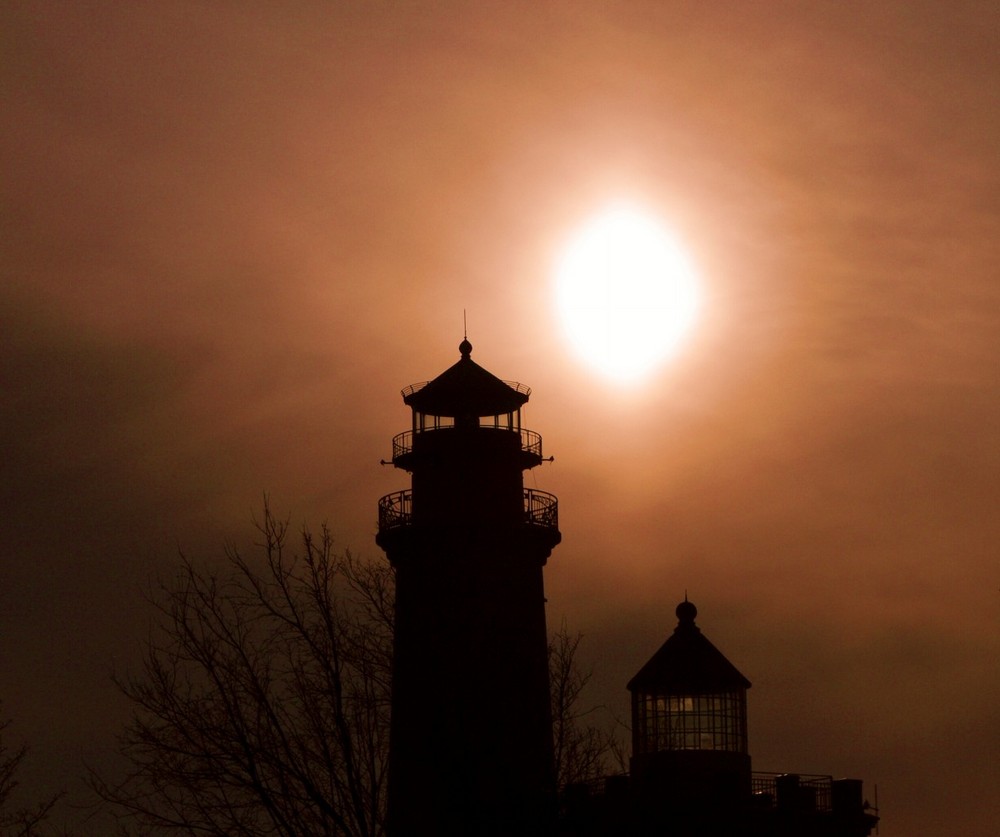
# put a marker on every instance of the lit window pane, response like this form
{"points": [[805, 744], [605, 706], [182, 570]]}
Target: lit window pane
{"points": [[691, 722]]}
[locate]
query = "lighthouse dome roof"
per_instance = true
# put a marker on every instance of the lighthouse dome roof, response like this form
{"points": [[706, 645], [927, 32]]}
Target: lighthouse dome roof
{"points": [[688, 663], [466, 389]]}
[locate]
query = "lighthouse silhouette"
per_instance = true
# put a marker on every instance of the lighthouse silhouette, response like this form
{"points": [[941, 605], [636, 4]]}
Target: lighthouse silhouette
{"points": [[471, 730]]}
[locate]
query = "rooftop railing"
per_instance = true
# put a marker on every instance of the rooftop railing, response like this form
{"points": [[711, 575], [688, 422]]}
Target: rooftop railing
{"points": [[793, 790], [514, 385], [769, 790]]}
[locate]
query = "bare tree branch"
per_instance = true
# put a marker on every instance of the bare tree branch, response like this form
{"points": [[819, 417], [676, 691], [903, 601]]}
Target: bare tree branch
{"points": [[261, 706], [583, 750], [18, 822], [262, 703]]}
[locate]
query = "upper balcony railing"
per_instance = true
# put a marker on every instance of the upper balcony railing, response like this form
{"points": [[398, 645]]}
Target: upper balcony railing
{"points": [[396, 510], [514, 385], [402, 443]]}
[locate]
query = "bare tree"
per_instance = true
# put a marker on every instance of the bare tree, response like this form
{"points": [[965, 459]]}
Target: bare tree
{"points": [[584, 751], [262, 703], [18, 822]]}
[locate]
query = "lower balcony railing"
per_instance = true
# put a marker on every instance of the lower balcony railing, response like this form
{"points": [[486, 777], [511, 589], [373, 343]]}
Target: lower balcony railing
{"points": [[541, 508], [396, 510]]}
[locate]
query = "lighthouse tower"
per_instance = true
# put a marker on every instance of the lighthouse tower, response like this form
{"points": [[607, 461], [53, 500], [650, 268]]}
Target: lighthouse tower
{"points": [[471, 732]]}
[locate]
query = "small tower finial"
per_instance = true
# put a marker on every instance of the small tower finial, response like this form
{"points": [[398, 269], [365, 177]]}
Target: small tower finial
{"points": [[465, 347], [686, 612]]}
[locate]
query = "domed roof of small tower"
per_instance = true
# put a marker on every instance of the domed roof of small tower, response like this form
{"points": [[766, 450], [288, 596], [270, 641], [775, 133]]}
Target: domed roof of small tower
{"points": [[466, 389], [687, 663]]}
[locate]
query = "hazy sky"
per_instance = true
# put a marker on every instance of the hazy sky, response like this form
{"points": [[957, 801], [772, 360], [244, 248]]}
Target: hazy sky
{"points": [[232, 231]]}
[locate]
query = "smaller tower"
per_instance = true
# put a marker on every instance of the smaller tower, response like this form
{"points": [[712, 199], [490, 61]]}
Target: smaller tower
{"points": [[689, 730]]}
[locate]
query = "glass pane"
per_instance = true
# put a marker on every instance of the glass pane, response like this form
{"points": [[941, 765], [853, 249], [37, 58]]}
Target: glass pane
{"points": [[696, 722]]}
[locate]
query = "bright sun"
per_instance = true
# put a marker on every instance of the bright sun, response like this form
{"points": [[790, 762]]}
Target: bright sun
{"points": [[626, 293]]}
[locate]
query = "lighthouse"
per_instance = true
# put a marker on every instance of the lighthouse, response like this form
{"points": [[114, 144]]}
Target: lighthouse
{"points": [[471, 730]]}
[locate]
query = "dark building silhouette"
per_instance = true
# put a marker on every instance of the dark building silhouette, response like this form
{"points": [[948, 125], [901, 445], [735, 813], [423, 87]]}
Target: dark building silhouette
{"points": [[690, 772], [471, 730]]}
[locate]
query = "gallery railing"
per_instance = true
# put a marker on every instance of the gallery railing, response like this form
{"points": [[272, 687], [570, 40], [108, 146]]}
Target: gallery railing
{"points": [[541, 508], [396, 510], [402, 443]]}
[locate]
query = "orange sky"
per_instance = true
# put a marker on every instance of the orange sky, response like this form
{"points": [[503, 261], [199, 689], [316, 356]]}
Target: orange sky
{"points": [[233, 231]]}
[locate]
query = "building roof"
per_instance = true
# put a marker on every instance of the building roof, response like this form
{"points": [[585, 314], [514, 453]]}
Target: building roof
{"points": [[466, 389], [687, 663]]}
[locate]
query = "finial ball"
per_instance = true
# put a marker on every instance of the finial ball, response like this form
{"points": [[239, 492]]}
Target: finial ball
{"points": [[686, 611], [465, 347]]}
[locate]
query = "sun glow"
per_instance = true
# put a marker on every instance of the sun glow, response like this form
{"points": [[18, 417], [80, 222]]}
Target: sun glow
{"points": [[626, 294]]}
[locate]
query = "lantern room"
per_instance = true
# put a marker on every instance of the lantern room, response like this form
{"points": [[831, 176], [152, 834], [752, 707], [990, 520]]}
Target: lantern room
{"points": [[689, 696], [464, 396]]}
